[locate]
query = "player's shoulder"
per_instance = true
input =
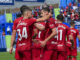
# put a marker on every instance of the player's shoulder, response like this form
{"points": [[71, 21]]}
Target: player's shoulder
{"points": [[52, 20], [74, 29], [65, 25], [32, 19], [18, 19]]}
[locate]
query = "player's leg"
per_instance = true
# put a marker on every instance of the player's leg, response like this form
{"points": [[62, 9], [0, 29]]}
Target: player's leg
{"points": [[62, 56], [18, 55], [27, 55], [66, 56], [42, 54], [54, 55], [48, 54], [74, 54], [36, 54], [69, 53]]}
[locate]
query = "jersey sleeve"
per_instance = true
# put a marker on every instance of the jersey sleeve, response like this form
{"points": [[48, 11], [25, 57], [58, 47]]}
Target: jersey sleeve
{"points": [[14, 25], [77, 32], [33, 21], [68, 33], [51, 25]]}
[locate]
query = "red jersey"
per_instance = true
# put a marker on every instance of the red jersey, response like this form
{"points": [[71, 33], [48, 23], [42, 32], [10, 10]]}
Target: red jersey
{"points": [[62, 34], [24, 29], [74, 32], [51, 44], [41, 34]]}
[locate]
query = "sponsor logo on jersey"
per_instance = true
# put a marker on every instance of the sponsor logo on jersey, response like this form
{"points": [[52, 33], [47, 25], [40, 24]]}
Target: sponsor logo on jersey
{"points": [[40, 25], [51, 25], [23, 23], [61, 26], [73, 31]]}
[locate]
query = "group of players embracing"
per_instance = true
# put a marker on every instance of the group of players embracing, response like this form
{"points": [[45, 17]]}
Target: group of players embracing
{"points": [[43, 38]]}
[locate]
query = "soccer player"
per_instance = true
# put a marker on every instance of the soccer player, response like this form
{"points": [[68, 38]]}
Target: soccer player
{"points": [[24, 27], [61, 38], [37, 51], [73, 34], [50, 40]]}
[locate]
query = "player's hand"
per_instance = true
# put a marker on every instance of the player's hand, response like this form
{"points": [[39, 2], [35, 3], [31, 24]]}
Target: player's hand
{"points": [[35, 41], [43, 43], [11, 49], [71, 37], [50, 14]]}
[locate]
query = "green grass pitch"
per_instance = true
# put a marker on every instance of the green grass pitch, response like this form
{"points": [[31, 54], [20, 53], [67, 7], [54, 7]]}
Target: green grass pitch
{"points": [[7, 56]]}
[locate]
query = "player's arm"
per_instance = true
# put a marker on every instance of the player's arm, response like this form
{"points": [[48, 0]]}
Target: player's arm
{"points": [[44, 18], [13, 36], [71, 37], [35, 33], [12, 40], [54, 32], [39, 26]]}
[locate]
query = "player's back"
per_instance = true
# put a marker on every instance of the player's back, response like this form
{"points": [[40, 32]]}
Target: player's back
{"points": [[16, 21], [74, 32], [52, 43], [62, 33], [41, 33], [24, 29]]}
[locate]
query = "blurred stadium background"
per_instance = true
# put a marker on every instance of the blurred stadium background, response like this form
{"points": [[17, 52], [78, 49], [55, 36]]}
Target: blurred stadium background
{"points": [[9, 11]]}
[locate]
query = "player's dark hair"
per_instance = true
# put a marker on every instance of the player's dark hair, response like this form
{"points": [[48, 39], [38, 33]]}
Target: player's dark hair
{"points": [[72, 23], [24, 8], [46, 9], [60, 17]]}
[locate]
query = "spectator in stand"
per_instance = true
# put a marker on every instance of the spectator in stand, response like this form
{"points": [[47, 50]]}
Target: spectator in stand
{"points": [[51, 8], [45, 5], [79, 1], [79, 13], [72, 15], [76, 16], [35, 13], [8, 30], [3, 33], [70, 8]]}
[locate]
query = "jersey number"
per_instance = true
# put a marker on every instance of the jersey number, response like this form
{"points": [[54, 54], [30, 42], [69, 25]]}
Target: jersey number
{"points": [[24, 33], [60, 31], [39, 34]]}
